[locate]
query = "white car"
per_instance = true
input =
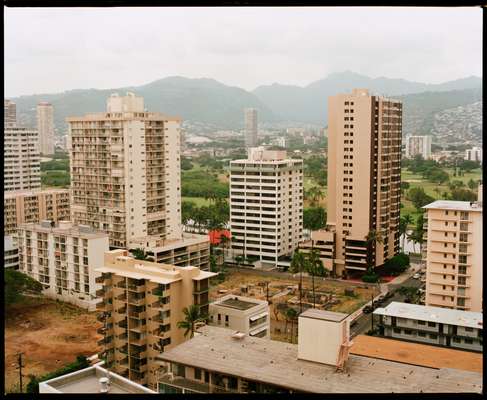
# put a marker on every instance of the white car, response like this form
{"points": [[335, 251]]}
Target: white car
{"points": [[416, 276]]}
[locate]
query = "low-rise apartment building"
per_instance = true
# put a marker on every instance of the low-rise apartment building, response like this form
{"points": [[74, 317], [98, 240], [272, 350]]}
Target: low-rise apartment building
{"points": [[190, 249], [266, 205], [63, 258], [143, 302], [33, 206], [452, 252], [243, 314], [432, 325], [220, 361]]}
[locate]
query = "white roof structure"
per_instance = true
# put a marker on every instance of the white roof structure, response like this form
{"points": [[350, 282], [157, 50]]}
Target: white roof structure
{"points": [[454, 205], [467, 319]]}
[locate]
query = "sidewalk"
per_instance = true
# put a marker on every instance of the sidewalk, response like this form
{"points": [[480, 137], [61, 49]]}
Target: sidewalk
{"points": [[405, 276]]}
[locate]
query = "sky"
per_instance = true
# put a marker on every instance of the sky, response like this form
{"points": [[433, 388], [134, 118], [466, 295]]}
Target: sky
{"points": [[50, 50]]}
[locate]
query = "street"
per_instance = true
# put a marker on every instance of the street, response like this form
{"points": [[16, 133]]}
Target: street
{"points": [[364, 323]]}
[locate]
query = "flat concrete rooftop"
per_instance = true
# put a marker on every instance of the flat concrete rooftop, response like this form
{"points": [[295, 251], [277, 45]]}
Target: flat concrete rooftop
{"points": [[238, 304], [277, 363]]}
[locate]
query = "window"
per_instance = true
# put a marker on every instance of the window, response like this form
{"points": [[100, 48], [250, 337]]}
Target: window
{"points": [[421, 334], [462, 280], [197, 373], [467, 329], [396, 330], [433, 336], [468, 341], [456, 339], [408, 331], [421, 322], [432, 324]]}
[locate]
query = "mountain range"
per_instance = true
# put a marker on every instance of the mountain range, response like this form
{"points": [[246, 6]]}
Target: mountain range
{"points": [[211, 102]]}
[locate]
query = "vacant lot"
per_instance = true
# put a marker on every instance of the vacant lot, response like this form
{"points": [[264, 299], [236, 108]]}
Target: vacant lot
{"points": [[283, 291], [50, 335]]}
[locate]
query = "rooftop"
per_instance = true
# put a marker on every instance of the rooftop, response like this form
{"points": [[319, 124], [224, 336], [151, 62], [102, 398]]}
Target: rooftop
{"points": [[17, 193], [84, 232], [469, 319], [156, 244], [415, 353], [277, 363], [237, 302], [87, 381], [454, 205], [118, 262], [323, 315]]}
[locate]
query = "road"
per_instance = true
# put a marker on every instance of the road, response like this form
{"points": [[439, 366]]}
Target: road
{"points": [[364, 322]]}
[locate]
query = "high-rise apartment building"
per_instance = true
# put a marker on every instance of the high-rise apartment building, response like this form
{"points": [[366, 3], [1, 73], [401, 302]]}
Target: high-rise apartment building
{"points": [[45, 126], [266, 205], [250, 127], [474, 154], [418, 145], [27, 206], [143, 302], [9, 113], [63, 258], [453, 254], [364, 179], [125, 171], [21, 162]]}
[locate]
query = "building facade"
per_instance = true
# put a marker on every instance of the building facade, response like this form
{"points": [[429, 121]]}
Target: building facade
{"points": [[266, 205], [63, 258], [452, 251], [418, 145], [125, 171], [142, 304], [10, 252], [251, 134], [25, 206], [191, 249], [9, 113], [21, 162], [45, 127], [474, 154], [432, 325], [243, 314], [364, 178]]}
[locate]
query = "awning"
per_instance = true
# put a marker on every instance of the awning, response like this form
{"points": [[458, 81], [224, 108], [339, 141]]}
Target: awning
{"points": [[257, 331], [258, 316]]}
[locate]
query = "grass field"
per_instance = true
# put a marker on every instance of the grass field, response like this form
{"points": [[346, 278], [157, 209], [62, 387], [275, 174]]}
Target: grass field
{"points": [[199, 201]]}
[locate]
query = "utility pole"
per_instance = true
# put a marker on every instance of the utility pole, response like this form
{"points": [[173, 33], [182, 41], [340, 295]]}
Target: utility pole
{"points": [[267, 291], [372, 313], [20, 370]]}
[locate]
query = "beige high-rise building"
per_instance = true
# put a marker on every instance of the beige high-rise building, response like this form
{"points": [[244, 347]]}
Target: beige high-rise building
{"points": [[143, 302], [250, 127], [63, 258], [26, 206], [453, 254], [364, 179], [266, 205], [21, 162], [125, 171], [418, 145], [45, 126], [10, 113]]}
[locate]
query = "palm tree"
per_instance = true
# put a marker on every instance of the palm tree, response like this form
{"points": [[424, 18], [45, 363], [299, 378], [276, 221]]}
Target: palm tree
{"points": [[373, 237], [314, 267], [298, 264], [139, 254], [291, 315], [224, 240], [192, 316]]}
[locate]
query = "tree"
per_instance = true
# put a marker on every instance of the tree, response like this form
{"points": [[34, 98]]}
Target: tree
{"points": [[314, 267], [298, 264], [291, 315], [192, 316], [472, 185], [314, 218], [17, 283], [139, 254], [463, 195], [372, 238], [419, 198]]}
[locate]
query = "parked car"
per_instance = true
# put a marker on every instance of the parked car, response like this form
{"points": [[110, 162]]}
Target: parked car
{"points": [[367, 309], [407, 300], [416, 276]]}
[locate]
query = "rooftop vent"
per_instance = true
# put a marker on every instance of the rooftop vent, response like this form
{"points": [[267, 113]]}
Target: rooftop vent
{"points": [[238, 335], [104, 385]]}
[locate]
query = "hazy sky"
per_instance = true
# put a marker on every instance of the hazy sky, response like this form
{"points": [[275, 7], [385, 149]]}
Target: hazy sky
{"points": [[50, 50]]}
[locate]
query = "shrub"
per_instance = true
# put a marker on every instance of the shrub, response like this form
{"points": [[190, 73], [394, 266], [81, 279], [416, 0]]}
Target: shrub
{"points": [[370, 277]]}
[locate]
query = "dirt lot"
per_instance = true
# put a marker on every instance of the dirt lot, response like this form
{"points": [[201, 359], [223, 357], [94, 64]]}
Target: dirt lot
{"points": [[329, 295], [50, 335]]}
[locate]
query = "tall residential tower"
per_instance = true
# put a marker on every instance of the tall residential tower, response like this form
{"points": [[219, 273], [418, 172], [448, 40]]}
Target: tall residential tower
{"points": [[250, 127], [10, 113], [125, 171], [364, 179], [45, 126]]}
